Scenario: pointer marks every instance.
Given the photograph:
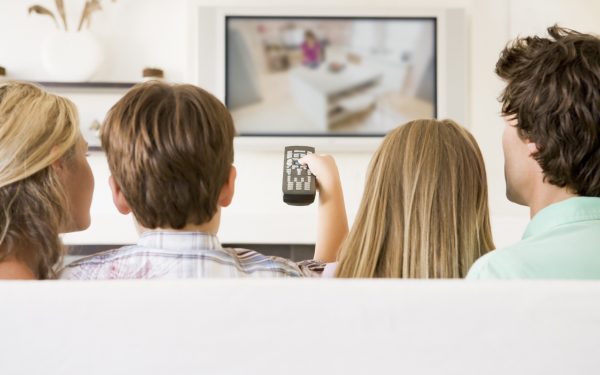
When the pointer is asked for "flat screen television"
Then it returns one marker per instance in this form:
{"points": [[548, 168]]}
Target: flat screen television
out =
{"points": [[329, 76]]}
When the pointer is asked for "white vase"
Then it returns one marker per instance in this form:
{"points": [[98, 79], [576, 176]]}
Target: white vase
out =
{"points": [[72, 56]]}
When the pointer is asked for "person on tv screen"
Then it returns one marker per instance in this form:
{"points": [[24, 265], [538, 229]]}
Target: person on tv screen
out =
{"points": [[311, 50]]}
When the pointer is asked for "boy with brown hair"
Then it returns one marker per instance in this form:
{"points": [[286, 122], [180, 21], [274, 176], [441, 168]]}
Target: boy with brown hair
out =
{"points": [[170, 152]]}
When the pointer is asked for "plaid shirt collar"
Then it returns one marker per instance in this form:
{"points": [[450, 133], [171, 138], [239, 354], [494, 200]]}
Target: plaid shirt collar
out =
{"points": [[179, 241]]}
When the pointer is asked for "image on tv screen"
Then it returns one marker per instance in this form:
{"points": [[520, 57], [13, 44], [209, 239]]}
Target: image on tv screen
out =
{"points": [[328, 75]]}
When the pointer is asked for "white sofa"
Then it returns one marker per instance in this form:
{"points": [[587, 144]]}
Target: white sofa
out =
{"points": [[299, 327]]}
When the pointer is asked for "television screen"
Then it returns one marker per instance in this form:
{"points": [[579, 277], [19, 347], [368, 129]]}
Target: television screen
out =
{"points": [[319, 76]]}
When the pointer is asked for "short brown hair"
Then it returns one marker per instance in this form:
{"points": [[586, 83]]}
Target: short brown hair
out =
{"points": [[553, 91], [170, 149]]}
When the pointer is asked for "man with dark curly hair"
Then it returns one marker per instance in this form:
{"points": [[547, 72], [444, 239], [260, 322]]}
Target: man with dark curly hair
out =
{"points": [[551, 106]]}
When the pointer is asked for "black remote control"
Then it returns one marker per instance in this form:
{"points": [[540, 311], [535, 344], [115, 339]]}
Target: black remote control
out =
{"points": [[298, 184]]}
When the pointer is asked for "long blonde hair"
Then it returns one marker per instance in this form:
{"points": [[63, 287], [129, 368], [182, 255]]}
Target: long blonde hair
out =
{"points": [[424, 212], [36, 129]]}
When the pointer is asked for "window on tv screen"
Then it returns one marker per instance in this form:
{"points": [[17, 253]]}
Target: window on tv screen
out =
{"points": [[329, 76]]}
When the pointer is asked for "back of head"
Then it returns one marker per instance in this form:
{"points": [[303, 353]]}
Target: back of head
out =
{"points": [[170, 150], [36, 129], [553, 91], [424, 212]]}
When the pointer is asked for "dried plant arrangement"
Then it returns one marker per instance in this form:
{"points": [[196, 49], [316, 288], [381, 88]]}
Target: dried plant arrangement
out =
{"points": [[85, 20], [60, 6], [38, 9]]}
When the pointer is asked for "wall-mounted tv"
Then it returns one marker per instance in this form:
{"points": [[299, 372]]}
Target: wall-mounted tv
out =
{"points": [[329, 76]]}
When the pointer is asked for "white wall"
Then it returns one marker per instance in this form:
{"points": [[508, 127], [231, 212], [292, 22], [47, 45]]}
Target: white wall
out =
{"points": [[139, 33]]}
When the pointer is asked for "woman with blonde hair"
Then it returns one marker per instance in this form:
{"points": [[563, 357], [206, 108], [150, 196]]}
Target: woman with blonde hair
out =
{"points": [[46, 183], [424, 211]]}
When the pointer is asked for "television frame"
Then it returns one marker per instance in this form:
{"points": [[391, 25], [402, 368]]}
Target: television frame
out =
{"points": [[207, 62]]}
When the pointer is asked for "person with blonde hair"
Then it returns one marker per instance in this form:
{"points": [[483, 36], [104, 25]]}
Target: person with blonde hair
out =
{"points": [[424, 211], [46, 183]]}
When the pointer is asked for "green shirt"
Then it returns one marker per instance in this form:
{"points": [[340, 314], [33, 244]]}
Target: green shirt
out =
{"points": [[561, 242]]}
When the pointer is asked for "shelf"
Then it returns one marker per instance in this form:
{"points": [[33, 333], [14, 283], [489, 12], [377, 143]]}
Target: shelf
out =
{"points": [[87, 85]]}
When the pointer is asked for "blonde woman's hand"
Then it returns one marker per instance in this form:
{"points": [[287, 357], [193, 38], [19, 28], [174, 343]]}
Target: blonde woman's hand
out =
{"points": [[332, 223], [324, 168]]}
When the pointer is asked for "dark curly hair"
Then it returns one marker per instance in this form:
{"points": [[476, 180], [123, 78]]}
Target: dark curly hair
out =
{"points": [[553, 91]]}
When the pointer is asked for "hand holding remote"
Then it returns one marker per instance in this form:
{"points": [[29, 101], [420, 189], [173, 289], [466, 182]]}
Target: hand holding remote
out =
{"points": [[323, 167], [298, 185], [332, 223]]}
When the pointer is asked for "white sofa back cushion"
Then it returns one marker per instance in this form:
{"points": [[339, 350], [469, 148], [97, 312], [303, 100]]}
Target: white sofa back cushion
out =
{"points": [[299, 327]]}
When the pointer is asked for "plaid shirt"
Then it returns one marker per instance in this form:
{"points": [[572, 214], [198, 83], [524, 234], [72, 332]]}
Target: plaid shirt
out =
{"points": [[178, 255]]}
